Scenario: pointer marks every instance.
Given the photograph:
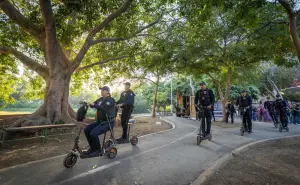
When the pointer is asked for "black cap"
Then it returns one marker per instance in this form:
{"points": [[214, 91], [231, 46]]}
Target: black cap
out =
{"points": [[243, 91], [277, 96], [127, 83], [105, 88], [202, 83]]}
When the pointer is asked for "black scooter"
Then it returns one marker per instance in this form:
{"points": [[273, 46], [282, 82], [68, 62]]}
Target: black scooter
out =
{"points": [[107, 149], [202, 136], [243, 128]]}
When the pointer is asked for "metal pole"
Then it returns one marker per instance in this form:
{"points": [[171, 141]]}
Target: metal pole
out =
{"points": [[171, 95]]}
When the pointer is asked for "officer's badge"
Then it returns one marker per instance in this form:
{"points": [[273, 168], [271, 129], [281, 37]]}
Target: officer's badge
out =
{"points": [[107, 103], [204, 92], [131, 94], [124, 94]]}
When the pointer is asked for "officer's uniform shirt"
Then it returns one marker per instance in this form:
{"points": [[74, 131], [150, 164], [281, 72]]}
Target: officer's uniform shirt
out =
{"points": [[244, 101], [105, 106], [205, 97], [127, 98], [280, 104], [269, 105]]}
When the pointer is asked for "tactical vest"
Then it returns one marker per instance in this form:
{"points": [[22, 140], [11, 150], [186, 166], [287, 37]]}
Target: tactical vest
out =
{"points": [[244, 101], [204, 98]]}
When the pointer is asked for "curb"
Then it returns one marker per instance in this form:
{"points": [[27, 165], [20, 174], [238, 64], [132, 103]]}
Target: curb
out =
{"points": [[216, 165], [58, 156]]}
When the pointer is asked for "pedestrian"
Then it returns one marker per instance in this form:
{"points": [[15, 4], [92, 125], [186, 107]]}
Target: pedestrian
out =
{"points": [[230, 110], [126, 102], [254, 113]]}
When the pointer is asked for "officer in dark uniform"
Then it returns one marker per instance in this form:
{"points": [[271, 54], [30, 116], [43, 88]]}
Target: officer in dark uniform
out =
{"points": [[230, 110], [126, 102], [105, 110], [245, 101], [270, 106], [206, 99], [281, 106]]}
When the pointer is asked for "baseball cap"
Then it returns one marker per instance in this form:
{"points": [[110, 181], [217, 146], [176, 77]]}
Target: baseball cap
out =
{"points": [[243, 91], [202, 83], [127, 83], [105, 88]]}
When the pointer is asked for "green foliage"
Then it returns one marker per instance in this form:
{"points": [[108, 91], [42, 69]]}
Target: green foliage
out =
{"points": [[235, 92], [294, 97]]}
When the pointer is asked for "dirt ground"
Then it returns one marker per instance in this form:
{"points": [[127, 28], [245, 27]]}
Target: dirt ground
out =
{"points": [[270, 163], [14, 153]]}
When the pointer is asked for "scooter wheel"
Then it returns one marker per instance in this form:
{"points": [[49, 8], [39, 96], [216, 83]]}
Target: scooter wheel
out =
{"points": [[107, 144], [134, 140], [287, 129], [112, 153], [199, 139], [210, 137], [276, 125], [242, 131], [70, 160], [280, 128]]}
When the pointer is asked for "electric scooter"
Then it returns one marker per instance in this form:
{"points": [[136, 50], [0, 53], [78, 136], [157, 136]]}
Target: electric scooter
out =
{"points": [[202, 136], [134, 139], [243, 125], [107, 149]]}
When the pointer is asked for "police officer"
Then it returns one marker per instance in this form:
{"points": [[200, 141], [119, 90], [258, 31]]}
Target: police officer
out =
{"points": [[270, 106], [230, 110], [105, 110], [281, 106], [126, 102], [206, 99], [245, 101]]}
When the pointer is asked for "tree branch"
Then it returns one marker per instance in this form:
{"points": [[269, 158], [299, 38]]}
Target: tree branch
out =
{"points": [[53, 46], [125, 38], [144, 78], [99, 63], [286, 5], [87, 44], [18, 18], [29, 62]]}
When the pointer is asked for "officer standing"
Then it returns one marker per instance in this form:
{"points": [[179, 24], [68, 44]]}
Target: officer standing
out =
{"points": [[126, 102], [270, 106], [245, 101], [230, 110], [105, 110], [206, 99]]}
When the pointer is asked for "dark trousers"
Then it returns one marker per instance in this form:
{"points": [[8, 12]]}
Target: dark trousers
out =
{"points": [[93, 130], [283, 118], [227, 116], [247, 120], [207, 118], [126, 113], [274, 117]]}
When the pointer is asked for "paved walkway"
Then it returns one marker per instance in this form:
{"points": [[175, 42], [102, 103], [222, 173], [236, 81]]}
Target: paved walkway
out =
{"points": [[170, 157]]}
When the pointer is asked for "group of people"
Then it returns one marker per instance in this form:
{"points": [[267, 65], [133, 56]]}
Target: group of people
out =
{"points": [[272, 109], [106, 113]]}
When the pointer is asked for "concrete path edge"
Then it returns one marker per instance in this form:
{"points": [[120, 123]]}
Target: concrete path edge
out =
{"points": [[54, 157], [216, 165]]}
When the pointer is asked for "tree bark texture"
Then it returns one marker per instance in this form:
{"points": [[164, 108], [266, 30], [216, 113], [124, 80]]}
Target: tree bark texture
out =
{"points": [[155, 98]]}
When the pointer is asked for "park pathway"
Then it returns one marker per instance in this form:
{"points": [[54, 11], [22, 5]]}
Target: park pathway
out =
{"points": [[170, 157]]}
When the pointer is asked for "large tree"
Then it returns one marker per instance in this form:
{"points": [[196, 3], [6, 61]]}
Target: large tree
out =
{"points": [[57, 39]]}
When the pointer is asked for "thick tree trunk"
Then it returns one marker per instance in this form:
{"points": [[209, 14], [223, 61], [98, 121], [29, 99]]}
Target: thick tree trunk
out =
{"points": [[227, 92], [155, 98]]}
